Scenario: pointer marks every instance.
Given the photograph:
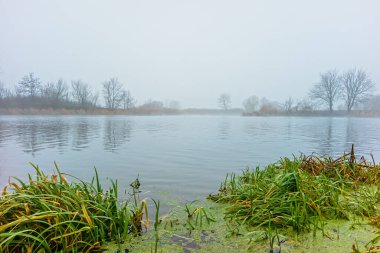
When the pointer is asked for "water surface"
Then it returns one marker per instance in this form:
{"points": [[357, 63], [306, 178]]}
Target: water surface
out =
{"points": [[181, 157]]}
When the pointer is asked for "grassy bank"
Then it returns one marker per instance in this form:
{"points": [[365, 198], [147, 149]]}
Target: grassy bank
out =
{"points": [[303, 204], [49, 214], [304, 194], [301, 192]]}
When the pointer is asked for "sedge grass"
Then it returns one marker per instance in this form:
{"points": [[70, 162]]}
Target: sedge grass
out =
{"points": [[302, 192], [49, 214]]}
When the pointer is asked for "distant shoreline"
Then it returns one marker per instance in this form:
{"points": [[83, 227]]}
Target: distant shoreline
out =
{"points": [[190, 111], [359, 113], [130, 112]]}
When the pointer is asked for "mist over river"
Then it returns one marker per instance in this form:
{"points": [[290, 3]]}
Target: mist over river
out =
{"points": [[175, 157]]}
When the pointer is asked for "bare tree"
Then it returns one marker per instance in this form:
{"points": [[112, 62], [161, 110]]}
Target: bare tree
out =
{"points": [[54, 93], [288, 105], [94, 100], [127, 100], [304, 105], [58, 90], [357, 86], [112, 92], [2, 90], [61, 90], [5, 92], [328, 89], [48, 90], [81, 93], [268, 107], [29, 85], [224, 101], [250, 104]]}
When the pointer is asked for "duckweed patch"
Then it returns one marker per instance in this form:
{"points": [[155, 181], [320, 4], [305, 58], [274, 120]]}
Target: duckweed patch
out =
{"points": [[226, 236]]}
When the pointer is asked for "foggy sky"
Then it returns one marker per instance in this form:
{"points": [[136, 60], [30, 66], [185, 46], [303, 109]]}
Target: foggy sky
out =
{"points": [[192, 50]]}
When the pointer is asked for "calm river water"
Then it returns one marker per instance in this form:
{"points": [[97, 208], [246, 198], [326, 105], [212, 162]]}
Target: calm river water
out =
{"points": [[175, 157]]}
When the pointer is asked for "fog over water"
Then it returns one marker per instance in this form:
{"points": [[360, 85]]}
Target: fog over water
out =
{"points": [[190, 51], [185, 157]]}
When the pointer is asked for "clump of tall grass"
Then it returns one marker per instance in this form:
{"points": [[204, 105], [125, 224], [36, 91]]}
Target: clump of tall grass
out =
{"points": [[302, 192], [50, 214], [346, 168]]}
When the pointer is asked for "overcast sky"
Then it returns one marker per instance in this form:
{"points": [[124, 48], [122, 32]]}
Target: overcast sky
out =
{"points": [[192, 50]]}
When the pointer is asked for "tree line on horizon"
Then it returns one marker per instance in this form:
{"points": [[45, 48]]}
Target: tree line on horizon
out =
{"points": [[353, 87], [30, 92]]}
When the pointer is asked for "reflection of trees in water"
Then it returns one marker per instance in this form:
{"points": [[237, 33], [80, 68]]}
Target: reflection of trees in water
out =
{"points": [[81, 134], [224, 128], [322, 135], [336, 136], [60, 135], [4, 132], [35, 136], [29, 137], [352, 136], [116, 133], [346, 133], [327, 144]]}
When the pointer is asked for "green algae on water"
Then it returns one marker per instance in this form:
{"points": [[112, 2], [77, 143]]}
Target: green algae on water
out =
{"points": [[223, 236]]}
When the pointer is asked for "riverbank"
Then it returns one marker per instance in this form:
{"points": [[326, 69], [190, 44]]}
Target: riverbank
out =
{"points": [[189, 111], [62, 213], [355, 113], [305, 204]]}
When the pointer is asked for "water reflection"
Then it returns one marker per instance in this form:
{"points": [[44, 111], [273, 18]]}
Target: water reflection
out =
{"points": [[351, 135], [116, 133], [35, 136], [332, 136], [326, 145], [59, 136], [84, 131], [4, 132], [224, 129], [27, 136], [177, 148]]}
